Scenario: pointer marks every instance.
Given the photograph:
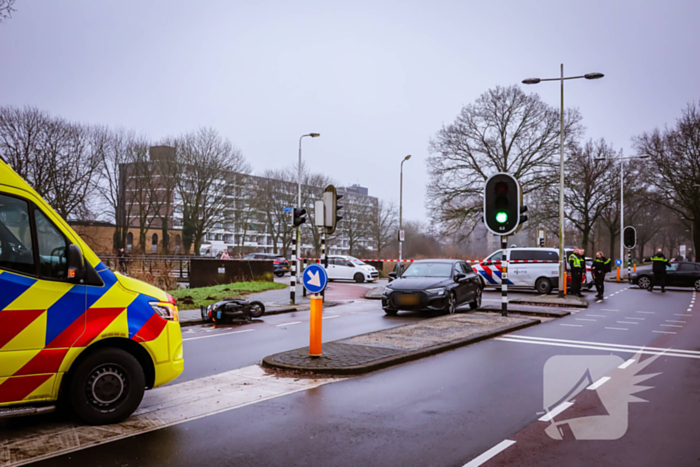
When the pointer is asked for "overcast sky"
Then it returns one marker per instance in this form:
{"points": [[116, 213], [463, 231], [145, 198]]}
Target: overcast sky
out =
{"points": [[377, 79]]}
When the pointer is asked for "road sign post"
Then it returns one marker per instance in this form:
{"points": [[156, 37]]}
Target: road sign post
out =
{"points": [[504, 276], [315, 280]]}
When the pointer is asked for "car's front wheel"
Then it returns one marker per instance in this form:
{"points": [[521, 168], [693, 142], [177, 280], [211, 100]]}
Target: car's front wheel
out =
{"points": [[390, 312], [644, 282], [477, 300], [359, 277], [697, 285], [107, 387]]}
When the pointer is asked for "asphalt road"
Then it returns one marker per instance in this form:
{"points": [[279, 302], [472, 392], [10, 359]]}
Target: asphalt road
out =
{"points": [[448, 409]]}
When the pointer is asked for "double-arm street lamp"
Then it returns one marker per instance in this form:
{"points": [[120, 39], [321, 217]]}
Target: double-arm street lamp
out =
{"points": [[622, 197], [561, 163], [401, 207]]}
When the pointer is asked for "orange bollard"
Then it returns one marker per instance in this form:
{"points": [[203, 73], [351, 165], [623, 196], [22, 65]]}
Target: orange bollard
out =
{"points": [[316, 325], [635, 267], [618, 274], [564, 282]]}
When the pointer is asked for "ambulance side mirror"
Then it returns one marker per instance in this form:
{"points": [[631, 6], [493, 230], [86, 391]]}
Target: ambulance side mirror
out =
{"points": [[76, 263]]}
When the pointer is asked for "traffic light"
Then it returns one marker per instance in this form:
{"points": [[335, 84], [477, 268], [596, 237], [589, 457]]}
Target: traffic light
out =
{"points": [[299, 216], [502, 210], [330, 202], [629, 237]]}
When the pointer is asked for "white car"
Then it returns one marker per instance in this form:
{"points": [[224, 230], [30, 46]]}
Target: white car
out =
{"points": [[343, 267]]}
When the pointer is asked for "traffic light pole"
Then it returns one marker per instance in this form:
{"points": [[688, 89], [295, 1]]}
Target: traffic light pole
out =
{"points": [[629, 263], [504, 277]]}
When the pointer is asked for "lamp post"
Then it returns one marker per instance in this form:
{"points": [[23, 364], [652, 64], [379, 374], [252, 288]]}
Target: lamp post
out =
{"points": [[401, 208], [297, 253], [561, 163], [622, 197]]}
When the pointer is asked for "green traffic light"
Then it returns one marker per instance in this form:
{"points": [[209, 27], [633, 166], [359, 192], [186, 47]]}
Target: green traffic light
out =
{"points": [[501, 217]]}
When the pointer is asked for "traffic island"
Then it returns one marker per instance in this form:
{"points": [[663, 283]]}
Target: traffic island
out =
{"points": [[532, 310], [552, 300], [381, 349]]}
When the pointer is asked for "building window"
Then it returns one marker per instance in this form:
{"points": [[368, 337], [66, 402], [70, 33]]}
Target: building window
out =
{"points": [[154, 243], [178, 241], [129, 241]]}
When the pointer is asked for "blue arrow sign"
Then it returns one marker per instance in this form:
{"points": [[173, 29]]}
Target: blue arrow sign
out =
{"points": [[618, 262], [315, 278], [288, 209]]}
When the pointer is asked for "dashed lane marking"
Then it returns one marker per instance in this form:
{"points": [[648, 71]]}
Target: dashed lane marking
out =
{"points": [[627, 363], [218, 335], [630, 317], [584, 319], [572, 325], [681, 314], [555, 411], [597, 316], [599, 383], [476, 462], [664, 332], [626, 322], [618, 329], [289, 324], [670, 325], [675, 321], [647, 312], [608, 309], [331, 317]]}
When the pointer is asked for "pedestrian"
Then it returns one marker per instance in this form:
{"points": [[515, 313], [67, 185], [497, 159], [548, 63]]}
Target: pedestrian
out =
{"points": [[578, 266], [659, 265], [121, 257], [601, 266]]}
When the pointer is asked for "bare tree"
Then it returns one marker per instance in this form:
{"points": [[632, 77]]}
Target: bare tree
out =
{"points": [[6, 9], [505, 130], [675, 173], [276, 191], [383, 226], [210, 166], [355, 226]]}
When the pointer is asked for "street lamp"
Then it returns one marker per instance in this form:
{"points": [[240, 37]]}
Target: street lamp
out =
{"points": [[622, 197], [297, 263], [401, 207], [561, 163]]}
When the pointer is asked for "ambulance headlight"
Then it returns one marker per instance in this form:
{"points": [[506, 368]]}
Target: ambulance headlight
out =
{"points": [[165, 310]]}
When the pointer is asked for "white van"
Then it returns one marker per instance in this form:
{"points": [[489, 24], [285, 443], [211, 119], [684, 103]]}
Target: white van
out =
{"points": [[543, 277], [342, 267]]}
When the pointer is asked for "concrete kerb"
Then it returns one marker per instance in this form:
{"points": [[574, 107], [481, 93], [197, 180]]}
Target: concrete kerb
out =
{"points": [[553, 301], [269, 361], [275, 311], [549, 312]]}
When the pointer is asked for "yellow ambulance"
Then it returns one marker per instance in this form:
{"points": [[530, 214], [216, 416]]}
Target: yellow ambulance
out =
{"points": [[74, 333]]}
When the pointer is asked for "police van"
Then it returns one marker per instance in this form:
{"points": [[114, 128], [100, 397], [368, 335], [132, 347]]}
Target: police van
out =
{"points": [[71, 330], [539, 269]]}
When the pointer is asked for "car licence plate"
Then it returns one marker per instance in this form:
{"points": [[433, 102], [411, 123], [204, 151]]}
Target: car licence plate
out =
{"points": [[408, 299]]}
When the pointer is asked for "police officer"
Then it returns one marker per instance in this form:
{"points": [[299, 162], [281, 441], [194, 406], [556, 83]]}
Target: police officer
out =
{"points": [[601, 266], [578, 265], [659, 265]]}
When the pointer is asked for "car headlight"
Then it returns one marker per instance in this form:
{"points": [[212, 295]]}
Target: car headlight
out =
{"points": [[165, 310], [438, 291], [387, 290]]}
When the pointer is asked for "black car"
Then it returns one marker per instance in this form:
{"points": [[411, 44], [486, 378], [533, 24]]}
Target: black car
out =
{"points": [[680, 274], [433, 284], [280, 264]]}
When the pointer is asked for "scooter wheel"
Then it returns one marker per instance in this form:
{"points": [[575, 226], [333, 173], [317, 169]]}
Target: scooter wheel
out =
{"points": [[257, 309]]}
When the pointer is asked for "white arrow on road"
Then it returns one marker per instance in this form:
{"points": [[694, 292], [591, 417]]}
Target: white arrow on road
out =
{"points": [[314, 279]]}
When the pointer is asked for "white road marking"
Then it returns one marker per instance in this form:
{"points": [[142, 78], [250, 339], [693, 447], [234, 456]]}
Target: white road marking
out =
{"points": [[597, 316], [218, 335], [584, 319], [555, 411], [609, 309], [624, 346], [629, 317], [572, 325], [680, 314], [599, 383], [289, 324], [626, 322], [477, 461], [618, 329], [627, 363], [606, 349], [161, 407], [670, 325], [664, 332], [674, 321], [331, 317], [647, 312]]}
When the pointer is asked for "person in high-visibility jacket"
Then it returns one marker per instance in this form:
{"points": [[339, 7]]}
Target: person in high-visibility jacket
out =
{"points": [[577, 263], [601, 266], [659, 265]]}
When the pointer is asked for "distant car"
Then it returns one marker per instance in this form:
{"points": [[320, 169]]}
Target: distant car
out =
{"points": [[343, 267], [680, 274], [280, 264], [435, 285]]}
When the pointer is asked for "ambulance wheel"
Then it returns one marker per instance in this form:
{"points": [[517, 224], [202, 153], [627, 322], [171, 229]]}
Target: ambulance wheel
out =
{"points": [[106, 387], [543, 286]]}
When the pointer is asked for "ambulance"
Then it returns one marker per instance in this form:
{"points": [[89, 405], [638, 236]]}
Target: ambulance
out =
{"points": [[73, 333]]}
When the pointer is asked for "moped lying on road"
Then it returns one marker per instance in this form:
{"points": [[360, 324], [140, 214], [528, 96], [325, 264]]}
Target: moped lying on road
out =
{"points": [[227, 311]]}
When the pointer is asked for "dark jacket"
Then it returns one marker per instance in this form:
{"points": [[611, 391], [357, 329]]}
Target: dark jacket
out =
{"points": [[601, 266], [659, 263]]}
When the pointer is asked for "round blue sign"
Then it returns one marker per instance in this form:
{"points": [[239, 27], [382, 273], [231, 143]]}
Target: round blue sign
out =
{"points": [[315, 278], [618, 262]]}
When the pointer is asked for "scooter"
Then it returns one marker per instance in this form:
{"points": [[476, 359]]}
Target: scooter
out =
{"points": [[228, 311]]}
